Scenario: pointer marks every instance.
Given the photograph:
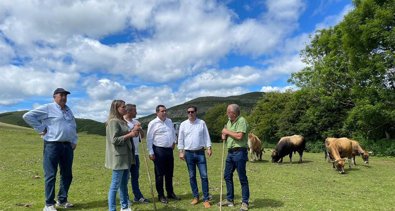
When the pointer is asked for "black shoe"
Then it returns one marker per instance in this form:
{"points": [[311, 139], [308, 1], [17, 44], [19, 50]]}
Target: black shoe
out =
{"points": [[173, 196], [163, 199]]}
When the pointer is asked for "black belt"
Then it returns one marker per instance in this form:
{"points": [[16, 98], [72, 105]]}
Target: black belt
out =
{"points": [[163, 147], [235, 149], [198, 150], [57, 142]]}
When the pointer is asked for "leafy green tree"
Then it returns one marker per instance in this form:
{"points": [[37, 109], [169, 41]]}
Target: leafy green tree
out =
{"points": [[263, 119], [215, 119], [349, 76]]}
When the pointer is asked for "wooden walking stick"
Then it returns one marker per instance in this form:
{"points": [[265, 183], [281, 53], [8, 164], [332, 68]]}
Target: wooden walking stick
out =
{"points": [[149, 176], [222, 169]]}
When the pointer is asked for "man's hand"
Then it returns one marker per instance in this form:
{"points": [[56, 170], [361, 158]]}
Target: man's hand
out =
{"points": [[73, 146], [42, 134], [152, 157], [223, 136], [209, 152], [181, 155]]}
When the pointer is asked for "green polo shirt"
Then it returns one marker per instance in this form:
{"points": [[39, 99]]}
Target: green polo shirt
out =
{"points": [[240, 125]]}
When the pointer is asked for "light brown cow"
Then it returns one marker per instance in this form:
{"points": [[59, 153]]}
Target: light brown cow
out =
{"points": [[338, 149], [327, 142], [357, 150], [255, 147]]}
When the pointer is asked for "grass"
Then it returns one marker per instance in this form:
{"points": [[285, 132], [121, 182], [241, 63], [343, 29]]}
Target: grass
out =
{"points": [[312, 185]]}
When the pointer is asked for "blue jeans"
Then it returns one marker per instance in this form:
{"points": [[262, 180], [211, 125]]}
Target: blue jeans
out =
{"points": [[62, 154], [237, 161], [119, 182], [198, 159], [134, 173]]}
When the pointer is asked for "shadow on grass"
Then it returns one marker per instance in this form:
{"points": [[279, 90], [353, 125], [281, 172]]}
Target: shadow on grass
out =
{"points": [[294, 162], [258, 161], [265, 203], [99, 205]]}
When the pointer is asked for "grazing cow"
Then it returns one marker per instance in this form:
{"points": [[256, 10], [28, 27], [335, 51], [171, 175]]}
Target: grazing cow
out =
{"points": [[338, 149], [357, 150], [288, 145], [255, 147], [328, 140]]}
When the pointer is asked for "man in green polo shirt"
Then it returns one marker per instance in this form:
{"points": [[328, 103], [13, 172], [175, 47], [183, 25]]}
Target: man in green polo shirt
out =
{"points": [[235, 134]]}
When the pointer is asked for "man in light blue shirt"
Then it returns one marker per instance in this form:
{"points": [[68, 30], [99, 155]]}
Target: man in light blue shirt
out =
{"points": [[56, 124]]}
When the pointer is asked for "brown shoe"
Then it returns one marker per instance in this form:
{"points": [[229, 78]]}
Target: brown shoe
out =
{"points": [[194, 201], [206, 204]]}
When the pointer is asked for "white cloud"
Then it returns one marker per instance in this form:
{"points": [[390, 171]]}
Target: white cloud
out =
{"points": [[277, 89], [6, 52], [17, 83], [222, 79]]}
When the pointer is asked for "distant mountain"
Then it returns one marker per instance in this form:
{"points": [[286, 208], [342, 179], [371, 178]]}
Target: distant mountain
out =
{"points": [[83, 125], [176, 113]]}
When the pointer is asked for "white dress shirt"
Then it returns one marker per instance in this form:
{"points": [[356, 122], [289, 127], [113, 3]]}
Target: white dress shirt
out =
{"points": [[160, 133], [193, 135], [136, 140]]}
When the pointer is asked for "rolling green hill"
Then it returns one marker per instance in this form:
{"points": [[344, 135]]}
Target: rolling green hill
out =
{"points": [[176, 113], [83, 125]]}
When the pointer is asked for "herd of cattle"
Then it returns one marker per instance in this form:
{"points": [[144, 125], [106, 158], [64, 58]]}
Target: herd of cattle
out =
{"points": [[336, 150]]}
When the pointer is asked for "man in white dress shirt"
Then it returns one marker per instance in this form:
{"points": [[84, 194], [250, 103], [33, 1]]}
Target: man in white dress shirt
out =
{"points": [[193, 139], [161, 139]]}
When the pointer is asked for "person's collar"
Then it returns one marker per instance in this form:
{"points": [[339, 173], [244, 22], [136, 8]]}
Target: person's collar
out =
{"points": [[235, 119], [160, 119], [192, 121], [60, 107]]}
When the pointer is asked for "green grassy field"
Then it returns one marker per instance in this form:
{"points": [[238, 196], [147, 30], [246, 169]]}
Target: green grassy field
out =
{"points": [[312, 185]]}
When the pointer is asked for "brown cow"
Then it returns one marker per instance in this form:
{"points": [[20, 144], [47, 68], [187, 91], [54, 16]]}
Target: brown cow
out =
{"points": [[288, 145], [338, 149], [357, 150], [327, 142], [255, 147]]}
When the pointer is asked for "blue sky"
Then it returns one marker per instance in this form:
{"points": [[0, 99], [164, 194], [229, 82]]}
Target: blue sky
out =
{"points": [[152, 52]]}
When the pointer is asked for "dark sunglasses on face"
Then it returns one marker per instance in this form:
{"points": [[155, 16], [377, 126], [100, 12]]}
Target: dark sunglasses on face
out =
{"points": [[191, 112]]}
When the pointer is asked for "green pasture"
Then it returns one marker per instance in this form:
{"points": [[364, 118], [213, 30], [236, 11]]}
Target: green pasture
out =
{"points": [[312, 185]]}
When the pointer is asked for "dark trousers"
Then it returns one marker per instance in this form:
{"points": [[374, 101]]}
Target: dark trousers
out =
{"points": [[164, 167], [57, 153], [134, 177], [237, 161]]}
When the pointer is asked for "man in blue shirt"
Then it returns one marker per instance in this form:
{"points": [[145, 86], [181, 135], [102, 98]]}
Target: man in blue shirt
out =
{"points": [[56, 124]]}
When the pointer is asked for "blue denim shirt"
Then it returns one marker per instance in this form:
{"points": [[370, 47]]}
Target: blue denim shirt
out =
{"points": [[60, 124]]}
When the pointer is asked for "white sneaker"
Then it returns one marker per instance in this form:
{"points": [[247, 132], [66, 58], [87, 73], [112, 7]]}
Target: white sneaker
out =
{"points": [[64, 204], [49, 208], [126, 209]]}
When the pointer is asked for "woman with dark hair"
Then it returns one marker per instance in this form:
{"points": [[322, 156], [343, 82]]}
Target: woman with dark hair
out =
{"points": [[119, 154]]}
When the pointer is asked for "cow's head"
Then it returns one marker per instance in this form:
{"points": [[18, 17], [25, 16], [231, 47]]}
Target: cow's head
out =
{"points": [[339, 164], [275, 156], [365, 157]]}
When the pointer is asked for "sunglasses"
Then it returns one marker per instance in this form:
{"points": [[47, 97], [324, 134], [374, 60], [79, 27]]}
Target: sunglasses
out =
{"points": [[191, 112]]}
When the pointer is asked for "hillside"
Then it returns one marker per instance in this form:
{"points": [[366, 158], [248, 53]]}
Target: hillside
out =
{"points": [[83, 125], [176, 113]]}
